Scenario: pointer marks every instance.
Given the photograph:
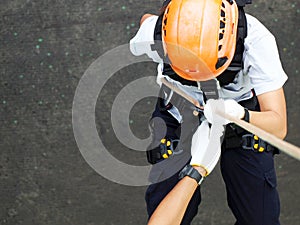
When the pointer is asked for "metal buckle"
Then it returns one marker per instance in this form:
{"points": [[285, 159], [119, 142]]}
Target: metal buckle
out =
{"points": [[179, 151], [254, 143], [167, 148]]}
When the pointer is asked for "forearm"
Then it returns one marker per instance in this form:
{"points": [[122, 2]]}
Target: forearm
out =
{"points": [[269, 121], [172, 208], [272, 117]]}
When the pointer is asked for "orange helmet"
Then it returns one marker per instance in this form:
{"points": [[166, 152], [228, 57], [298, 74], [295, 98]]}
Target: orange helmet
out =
{"points": [[199, 37]]}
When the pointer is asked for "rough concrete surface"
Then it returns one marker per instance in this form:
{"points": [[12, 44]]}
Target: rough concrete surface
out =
{"points": [[45, 48]]}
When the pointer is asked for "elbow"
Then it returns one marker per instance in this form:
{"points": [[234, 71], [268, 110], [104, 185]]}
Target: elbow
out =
{"points": [[281, 127], [144, 17], [282, 132], [284, 129]]}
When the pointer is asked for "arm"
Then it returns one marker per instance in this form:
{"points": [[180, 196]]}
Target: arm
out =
{"points": [[272, 117], [172, 208], [144, 17]]}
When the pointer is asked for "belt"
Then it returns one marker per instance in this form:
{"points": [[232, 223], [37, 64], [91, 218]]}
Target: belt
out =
{"points": [[248, 141]]}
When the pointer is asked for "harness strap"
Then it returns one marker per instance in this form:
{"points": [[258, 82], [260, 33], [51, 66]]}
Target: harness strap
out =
{"points": [[249, 142], [236, 64], [209, 89], [243, 2], [157, 46], [168, 98]]}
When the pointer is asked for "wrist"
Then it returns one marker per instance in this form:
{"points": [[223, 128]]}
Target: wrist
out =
{"points": [[201, 170], [246, 116], [191, 172]]}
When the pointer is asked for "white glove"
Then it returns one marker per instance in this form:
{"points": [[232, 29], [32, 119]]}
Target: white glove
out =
{"points": [[205, 151], [229, 107]]}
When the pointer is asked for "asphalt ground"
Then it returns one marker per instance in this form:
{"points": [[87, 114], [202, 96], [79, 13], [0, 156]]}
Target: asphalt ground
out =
{"points": [[45, 48]]}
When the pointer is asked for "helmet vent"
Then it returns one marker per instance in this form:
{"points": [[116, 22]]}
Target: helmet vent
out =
{"points": [[222, 26], [221, 36], [165, 22], [221, 62], [222, 13]]}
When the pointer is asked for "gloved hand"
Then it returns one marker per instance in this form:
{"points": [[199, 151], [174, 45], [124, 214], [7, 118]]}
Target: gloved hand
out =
{"points": [[229, 107], [205, 151]]}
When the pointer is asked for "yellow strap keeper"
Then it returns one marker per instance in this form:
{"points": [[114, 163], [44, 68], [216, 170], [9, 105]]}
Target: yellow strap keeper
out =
{"points": [[163, 141]]}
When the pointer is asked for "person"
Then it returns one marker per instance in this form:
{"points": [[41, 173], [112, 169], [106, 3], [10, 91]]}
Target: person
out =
{"points": [[227, 60]]}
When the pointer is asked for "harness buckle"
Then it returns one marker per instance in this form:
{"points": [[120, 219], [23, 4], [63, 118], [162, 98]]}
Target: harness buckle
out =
{"points": [[167, 148], [254, 143]]}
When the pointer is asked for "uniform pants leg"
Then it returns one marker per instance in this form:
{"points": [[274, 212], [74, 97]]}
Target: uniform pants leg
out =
{"points": [[250, 181], [158, 190]]}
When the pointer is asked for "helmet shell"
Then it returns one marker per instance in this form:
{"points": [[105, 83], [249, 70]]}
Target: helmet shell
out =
{"points": [[199, 37]]}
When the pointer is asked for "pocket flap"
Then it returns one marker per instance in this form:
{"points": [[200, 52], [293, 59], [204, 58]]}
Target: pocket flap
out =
{"points": [[271, 178]]}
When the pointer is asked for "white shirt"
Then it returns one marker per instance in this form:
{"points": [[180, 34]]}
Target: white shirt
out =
{"points": [[141, 43], [262, 71], [261, 58]]}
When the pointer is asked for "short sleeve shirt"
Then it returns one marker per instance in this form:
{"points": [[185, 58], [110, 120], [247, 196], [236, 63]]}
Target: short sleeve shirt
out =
{"points": [[261, 58]]}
